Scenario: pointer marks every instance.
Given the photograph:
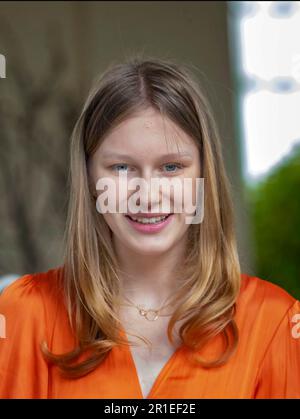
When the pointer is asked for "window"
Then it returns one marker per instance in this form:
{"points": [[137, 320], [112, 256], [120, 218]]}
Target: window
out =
{"points": [[267, 37]]}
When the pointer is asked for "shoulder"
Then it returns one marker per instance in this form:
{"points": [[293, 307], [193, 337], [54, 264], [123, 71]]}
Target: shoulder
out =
{"points": [[269, 324], [28, 312], [31, 298], [269, 296], [262, 307], [33, 286]]}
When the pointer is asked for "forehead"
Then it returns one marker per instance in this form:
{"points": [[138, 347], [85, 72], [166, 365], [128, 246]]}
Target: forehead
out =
{"points": [[147, 133]]}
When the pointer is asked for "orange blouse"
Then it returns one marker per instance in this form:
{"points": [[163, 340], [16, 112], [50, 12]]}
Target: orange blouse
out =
{"points": [[265, 365]]}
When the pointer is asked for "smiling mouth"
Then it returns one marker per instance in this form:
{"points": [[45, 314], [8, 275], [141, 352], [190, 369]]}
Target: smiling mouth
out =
{"points": [[148, 220]]}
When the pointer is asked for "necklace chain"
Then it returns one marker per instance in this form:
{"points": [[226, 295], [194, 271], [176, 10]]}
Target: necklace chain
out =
{"points": [[149, 314]]}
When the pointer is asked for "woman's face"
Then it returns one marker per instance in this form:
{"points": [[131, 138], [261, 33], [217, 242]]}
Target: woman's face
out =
{"points": [[146, 146]]}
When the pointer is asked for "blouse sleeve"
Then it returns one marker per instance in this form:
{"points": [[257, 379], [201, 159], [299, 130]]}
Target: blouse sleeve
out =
{"points": [[23, 370], [279, 374]]}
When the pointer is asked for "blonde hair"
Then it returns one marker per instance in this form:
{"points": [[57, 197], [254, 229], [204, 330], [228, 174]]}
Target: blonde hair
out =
{"points": [[211, 269]]}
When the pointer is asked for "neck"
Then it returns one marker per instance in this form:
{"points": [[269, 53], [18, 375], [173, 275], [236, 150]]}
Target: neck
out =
{"points": [[149, 279]]}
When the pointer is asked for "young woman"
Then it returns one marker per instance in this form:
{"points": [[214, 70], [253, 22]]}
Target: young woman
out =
{"points": [[145, 306]]}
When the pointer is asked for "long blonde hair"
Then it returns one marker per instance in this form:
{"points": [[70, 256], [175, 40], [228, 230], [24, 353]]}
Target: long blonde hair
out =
{"points": [[90, 271]]}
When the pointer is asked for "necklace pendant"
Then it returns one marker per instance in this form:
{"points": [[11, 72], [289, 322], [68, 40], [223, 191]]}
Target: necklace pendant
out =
{"points": [[151, 315], [142, 312]]}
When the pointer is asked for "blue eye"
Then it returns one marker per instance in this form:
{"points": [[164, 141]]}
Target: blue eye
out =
{"points": [[118, 165], [124, 167], [177, 165]]}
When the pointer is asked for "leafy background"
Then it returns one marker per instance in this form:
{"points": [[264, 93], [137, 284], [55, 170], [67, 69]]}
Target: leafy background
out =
{"points": [[274, 204]]}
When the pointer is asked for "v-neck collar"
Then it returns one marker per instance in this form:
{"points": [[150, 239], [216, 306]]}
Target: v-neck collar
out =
{"points": [[159, 378]]}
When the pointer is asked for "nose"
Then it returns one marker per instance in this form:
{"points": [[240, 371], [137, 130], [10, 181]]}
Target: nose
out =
{"points": [[148, 196]]}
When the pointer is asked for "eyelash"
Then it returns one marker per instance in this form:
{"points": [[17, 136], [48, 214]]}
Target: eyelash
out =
{"points": [[179, 166]]}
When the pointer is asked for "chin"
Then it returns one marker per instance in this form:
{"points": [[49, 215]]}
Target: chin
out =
{"points": [[149, 249]]}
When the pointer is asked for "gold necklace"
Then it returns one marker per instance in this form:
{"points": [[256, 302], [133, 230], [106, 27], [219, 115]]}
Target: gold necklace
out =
{"points": [[149, 314]]}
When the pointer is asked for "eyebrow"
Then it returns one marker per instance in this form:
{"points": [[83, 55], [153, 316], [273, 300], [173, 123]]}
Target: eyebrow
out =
{"points": [[129, 157]]}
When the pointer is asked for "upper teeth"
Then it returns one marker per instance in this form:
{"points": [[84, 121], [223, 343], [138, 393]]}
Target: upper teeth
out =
{"points": [[149, 220]]}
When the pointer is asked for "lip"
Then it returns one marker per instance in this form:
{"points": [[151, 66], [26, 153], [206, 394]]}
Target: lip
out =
{"points": [[148, 214], [150, 228]]}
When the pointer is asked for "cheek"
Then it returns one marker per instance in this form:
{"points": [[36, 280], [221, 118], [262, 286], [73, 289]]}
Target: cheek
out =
{"points": [[195, 185], [186, 195], [96, 171], [112, 222]]}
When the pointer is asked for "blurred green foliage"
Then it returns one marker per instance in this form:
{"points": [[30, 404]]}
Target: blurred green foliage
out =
{"points": [[274, 203]]}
